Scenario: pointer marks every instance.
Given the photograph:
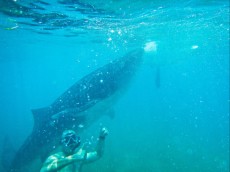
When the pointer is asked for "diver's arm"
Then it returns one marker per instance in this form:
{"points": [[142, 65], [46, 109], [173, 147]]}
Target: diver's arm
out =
{"points": [[55, 163], [92, 156]]}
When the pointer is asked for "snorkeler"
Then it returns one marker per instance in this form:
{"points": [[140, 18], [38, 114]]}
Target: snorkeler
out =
{"points": [[71, 158]]}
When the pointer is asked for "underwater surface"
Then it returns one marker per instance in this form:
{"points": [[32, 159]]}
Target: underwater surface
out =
{"points": [[173, 116]]}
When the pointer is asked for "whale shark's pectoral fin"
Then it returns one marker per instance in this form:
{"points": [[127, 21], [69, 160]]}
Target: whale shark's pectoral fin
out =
{"points": [[60, 114], [56, 117], [72, 112]]}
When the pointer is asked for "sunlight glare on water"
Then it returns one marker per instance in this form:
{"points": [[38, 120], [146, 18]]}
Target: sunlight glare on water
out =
{"points": [[150, 46]]}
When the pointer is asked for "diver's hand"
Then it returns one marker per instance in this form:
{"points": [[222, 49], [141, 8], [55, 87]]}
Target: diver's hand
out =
{"points": [[103, 133]]}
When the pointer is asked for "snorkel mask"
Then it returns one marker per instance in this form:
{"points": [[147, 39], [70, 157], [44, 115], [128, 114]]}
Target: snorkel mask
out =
{"points": [[70, 141]]}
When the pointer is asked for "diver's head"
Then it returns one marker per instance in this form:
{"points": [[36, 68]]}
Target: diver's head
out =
{"points": [[70, 141]]}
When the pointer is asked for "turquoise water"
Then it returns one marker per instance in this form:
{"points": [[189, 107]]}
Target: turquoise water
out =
{"points": [[174, 117]]}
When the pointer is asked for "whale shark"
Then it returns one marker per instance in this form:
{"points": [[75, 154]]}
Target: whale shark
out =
{"points": [[78, 107]]}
